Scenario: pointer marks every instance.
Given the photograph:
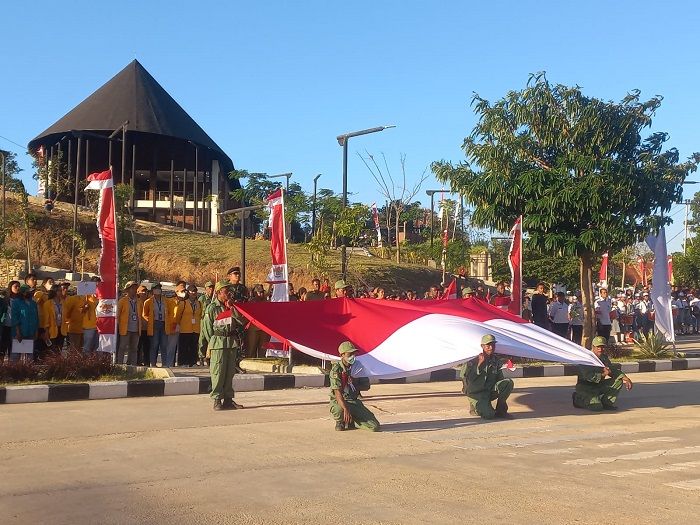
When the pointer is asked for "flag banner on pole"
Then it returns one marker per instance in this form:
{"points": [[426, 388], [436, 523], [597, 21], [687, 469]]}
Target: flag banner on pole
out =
{"points": [[660, 288], [670, 270], [515, 261], [375, 218], [278, 276], [451, 291], [404, 338], [106, 312], [642, 269], [603, 275]]}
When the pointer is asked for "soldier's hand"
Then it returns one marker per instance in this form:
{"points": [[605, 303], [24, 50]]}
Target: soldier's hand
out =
{"points": [[481, 359], [606, 372], [347, 418], [628, 384]]}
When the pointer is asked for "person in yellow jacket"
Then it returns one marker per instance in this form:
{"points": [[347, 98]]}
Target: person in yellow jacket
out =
{"points": [[56, 326], [90, 337], [129, 317], [157, 313], [45, 307], [74, 309], [189, 316]]}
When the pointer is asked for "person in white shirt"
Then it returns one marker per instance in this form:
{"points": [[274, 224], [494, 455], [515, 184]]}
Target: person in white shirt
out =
{"points": [[644, 316], [559, 315], [603, 306], [694, 304]]}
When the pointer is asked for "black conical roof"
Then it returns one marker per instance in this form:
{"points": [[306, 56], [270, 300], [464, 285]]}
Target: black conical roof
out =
{"points": [[133, 95]]}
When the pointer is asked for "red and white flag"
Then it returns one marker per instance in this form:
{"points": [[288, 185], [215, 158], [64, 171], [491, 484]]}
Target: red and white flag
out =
{"points": [[404, 338], [603, 274], [670, 269], [107, 267], [642, 269], [515, 261], [451, 291], [278, 275]]}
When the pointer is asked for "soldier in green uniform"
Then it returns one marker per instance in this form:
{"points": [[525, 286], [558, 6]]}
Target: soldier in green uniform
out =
{"points": [[484, 382], [223, 342], [347, 410], [597, 388], [238, 289]]}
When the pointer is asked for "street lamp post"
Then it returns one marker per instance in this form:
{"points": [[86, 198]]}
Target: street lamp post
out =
{"points": [[243, 213], [432, 193], [313, 208], [288, 175], [4, 168], [343, 141]]}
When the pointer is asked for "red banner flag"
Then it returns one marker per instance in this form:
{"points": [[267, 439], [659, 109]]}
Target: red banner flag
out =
{"points": [[642, 270], [515, 261], [375, 218], [670, 269], [603, 275], [278, 247], [107, 264]]}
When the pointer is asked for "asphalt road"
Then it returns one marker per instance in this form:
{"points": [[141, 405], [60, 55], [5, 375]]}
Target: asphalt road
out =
{"points": [[173, 460]]}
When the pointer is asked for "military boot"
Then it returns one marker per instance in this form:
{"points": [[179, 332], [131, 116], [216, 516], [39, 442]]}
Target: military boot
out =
{"points": [[218, 405], [502, 410], [339, 425]]}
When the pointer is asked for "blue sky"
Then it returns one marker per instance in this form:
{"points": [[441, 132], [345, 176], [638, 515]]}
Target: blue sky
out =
{"points": [[273, 83]]}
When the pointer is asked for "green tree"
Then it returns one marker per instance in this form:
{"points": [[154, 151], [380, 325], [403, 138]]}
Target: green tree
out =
{"points": [[575, 167]]}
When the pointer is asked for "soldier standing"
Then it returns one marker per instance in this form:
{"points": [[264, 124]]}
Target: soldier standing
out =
{"points": [[347, 410], [223, 340], [484, 382], [597, 388]]}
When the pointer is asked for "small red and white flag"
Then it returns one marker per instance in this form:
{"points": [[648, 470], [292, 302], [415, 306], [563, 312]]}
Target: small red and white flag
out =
{"points": [[603, 274], [451, 291], [515, 261], [404, 338]]}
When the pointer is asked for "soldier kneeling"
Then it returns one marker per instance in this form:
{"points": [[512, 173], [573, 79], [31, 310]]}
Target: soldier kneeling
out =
{"points": [[347, 410], [597, 388], [484, 382]]}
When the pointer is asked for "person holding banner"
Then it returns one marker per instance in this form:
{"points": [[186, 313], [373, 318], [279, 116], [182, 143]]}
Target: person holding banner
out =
{"points": [[484, 382], [597, 388], [347, 410], [223, 340]]}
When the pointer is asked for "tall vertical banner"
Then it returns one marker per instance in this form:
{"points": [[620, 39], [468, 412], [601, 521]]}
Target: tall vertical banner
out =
{"points": [[375, 218], [670, 270], [660, 288], [642, 269], [603, 275], [278, 248], [515, 261], [107, 264]]}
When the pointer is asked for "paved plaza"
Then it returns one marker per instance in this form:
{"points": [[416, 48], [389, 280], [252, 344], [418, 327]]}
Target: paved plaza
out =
{"points": [[173, 460]]}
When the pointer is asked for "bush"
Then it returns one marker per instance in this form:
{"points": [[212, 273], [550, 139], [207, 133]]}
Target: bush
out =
{"points": [[18, 371], [615, 351], [653, 346], [75, 365]]}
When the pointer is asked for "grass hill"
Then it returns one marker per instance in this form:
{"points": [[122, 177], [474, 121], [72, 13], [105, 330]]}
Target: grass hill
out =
{"points": [[169, 254]]}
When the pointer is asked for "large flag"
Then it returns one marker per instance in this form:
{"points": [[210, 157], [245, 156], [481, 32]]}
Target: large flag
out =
{"points": [[107, 264], [404, 338], [660, 288], [278, 247], [603, 275], [515, 261]]}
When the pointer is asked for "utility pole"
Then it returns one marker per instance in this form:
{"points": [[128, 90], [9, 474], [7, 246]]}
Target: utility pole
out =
{"points": [[687, 214]]}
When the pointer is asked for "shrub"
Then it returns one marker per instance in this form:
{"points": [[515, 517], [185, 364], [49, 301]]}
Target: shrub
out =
{"points": [[76, 365], [18, 371], [615, 351], [653, 346]]}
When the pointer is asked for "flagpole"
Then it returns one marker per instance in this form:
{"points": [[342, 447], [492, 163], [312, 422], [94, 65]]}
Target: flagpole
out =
{"points": [[286, 270]]}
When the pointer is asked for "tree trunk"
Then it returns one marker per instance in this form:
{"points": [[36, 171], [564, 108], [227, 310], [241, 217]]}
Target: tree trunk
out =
{"points": [[398, 250], [586, 267]]}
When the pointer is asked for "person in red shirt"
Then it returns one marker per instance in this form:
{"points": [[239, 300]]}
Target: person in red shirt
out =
{"points": [[500, 299]]}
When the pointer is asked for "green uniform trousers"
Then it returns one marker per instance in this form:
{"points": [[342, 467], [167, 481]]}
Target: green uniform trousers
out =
{"points": [[222, 366], [361, 415], [596, 396], [482, 402]]}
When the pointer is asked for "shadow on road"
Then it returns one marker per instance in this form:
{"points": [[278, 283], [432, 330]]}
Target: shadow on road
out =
{"points": [[428, 426]]}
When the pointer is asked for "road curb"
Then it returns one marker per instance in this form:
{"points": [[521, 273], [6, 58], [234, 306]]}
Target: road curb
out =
{"points": [[177, 386]]}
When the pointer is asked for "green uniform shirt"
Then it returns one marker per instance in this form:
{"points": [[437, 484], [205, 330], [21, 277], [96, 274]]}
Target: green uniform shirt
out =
{"points": [[205, 301], [239, 291], [482, 379], [340, 379], [593, 375], [227, 336]]}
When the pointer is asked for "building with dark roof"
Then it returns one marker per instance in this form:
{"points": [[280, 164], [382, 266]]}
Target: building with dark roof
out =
{"points": [[179, 175]]}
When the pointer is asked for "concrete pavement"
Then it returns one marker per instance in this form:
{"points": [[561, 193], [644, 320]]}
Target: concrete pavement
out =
{"points": [[174, 460]]}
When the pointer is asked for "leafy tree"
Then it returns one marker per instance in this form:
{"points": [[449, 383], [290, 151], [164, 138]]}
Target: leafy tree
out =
{"points": [[575, 167]]}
